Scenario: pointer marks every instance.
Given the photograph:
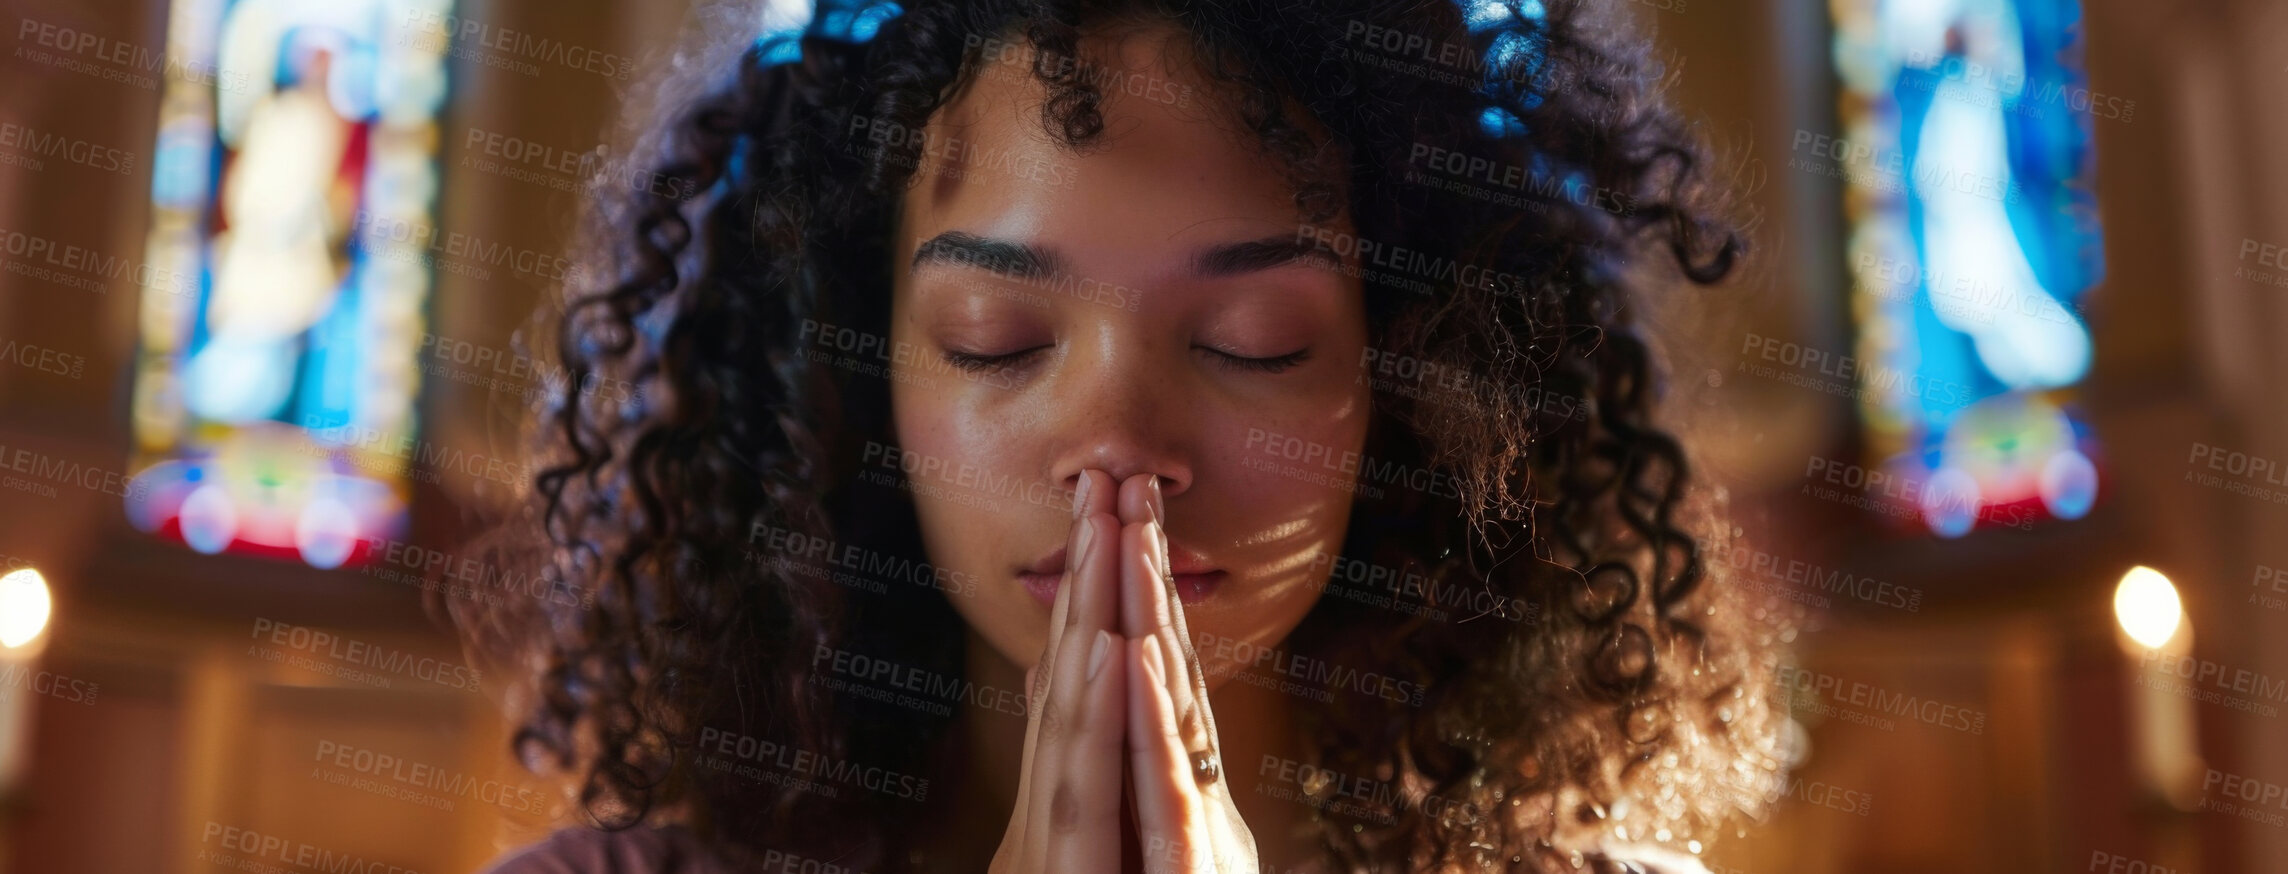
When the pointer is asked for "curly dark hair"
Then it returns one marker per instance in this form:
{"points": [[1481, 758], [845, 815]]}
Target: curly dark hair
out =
{"points": [[1633, 703]]}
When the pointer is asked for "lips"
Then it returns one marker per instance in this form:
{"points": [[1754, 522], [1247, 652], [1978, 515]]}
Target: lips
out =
{"points": [[1197, 579], [1042, 577]]}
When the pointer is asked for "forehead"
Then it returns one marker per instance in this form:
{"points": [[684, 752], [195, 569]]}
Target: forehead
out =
{"points": [[1172, 169]]}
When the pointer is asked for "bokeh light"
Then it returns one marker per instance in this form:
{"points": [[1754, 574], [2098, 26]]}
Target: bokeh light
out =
{"points": [[2146, 605], [24, 607]]}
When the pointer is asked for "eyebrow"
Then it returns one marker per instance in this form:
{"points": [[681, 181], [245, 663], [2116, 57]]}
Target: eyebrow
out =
{"points": [[1028, 261], [1013, 259], [1234, 259]]}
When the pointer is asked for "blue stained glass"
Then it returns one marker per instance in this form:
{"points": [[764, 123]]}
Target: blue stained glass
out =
{"points": [[273, 315], [1974, 240]]}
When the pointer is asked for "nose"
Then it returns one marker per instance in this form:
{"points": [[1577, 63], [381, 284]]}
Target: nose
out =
{"points": [[1120, 418]]}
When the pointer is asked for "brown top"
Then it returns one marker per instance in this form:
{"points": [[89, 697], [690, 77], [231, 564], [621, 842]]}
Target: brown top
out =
{"points": [[673, 850], [647, 850]]}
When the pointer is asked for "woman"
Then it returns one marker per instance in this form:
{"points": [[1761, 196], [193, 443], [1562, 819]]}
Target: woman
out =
{"points": [[1077, 437]]}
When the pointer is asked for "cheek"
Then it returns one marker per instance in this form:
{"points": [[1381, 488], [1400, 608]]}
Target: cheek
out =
{"points": [[1296, 459], [971, 469], [1286, 480], [954, 436], [942, 450]]}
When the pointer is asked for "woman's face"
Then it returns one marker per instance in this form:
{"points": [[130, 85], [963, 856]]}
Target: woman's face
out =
{"points": [[1143, 307]]}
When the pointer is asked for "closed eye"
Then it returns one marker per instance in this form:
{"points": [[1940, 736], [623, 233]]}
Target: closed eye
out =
{"points": [[1273, 364], [972, 362]]}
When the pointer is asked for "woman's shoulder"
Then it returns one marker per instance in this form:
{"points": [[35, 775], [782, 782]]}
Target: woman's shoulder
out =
{"points": [[1645, 859], [639, 850], [675, 850]]}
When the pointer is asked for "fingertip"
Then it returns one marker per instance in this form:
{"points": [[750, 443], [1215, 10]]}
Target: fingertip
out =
{"points": [[1154, 547], [1103, 495], [1099, 648], [1155, 661], [1132, 499], [1080, 494], [1155, 501], [1104, 537], [1108, 690]]}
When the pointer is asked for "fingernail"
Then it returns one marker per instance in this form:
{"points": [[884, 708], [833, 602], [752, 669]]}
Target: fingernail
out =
{"points": [[1080, 493], [1158, 537], [1096, 652], [1080, 546], [1154, 500], [1153, 666]]}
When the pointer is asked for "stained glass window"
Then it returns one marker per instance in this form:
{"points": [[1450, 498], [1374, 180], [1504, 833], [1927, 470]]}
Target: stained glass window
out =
{"points": [[1973, 241], [275, 389]]}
